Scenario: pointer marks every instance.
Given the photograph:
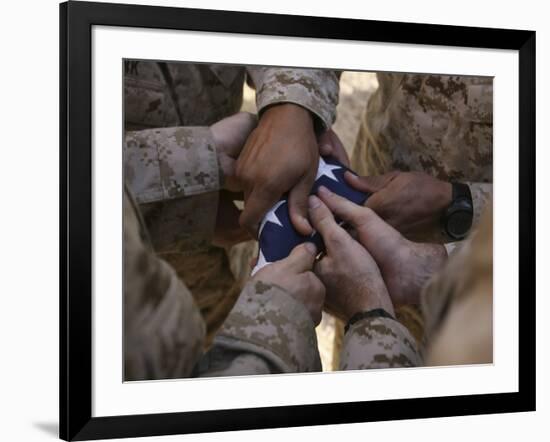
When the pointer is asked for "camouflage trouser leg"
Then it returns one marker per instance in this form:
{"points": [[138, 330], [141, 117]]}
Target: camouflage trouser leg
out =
{"points": [[208, 276]]}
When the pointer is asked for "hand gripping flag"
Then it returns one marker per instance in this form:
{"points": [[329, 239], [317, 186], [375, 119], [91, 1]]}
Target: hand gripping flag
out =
{"points": [[277, 236]]}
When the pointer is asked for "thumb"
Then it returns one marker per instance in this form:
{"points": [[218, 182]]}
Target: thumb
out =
{"points": [[298, 203], [370, 184], [301, 259], [231, 133]]}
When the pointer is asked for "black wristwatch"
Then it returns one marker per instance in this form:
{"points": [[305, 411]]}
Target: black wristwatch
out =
{"points": [[457, 219]]}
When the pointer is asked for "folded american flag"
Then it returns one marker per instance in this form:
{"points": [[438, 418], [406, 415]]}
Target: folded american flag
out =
{"points": [[277, 236]]}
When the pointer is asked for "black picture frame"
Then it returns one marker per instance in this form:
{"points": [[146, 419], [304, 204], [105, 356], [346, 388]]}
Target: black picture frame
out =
{"points": [[76, 21]]}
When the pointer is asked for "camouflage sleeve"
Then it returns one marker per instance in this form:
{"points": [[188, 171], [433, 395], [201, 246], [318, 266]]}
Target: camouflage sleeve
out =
{"points": [[482, 196], [174, 175], [378, 342], [266, 332], [163, 329], [315, 89], [457, 303]]}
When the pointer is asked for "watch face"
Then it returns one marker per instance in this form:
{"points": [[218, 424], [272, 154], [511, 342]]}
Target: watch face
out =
{"points": [[459, 223]]}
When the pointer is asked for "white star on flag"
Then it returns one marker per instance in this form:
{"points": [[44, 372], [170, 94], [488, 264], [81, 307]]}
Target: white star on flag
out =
{"points": [[271, 217], [326, 169], [260, 263]]}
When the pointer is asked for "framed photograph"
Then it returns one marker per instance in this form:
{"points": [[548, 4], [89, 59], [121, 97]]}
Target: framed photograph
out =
{"points": [[274, 220]]}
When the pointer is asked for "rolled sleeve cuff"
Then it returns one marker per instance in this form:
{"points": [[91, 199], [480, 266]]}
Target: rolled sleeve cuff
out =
{"points": [[482, 195], [168, 163], [378, 342], [173, 175], [267, 321], [314, 90]]}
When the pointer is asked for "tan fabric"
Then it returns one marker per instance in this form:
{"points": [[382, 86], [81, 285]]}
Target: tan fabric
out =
{"points": [[378, 343], [266, 332], [163, 329], [173, 174], [162, 101], [275, 333], [438, 124], [458, 303]]}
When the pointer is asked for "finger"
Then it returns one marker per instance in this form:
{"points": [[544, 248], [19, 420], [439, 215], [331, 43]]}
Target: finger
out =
{"points": [[228, 178], [330, 145], [297, 205], [325, 149], [323, 221], [322, 266], [338, 149], [317, 292], [232, 132], [256, 205], [363, 219], [301, 259], [376, 203], [369, 184]]}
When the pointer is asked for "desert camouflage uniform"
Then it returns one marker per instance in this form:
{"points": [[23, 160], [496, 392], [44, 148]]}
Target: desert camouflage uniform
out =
{"points": [[461, 293], [378, 343], [266, 332], [438, 124], [163, 329], [168, 95]]}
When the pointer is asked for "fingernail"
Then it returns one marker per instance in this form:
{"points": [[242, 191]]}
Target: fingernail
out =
{"points": [[310, 247], [314, 202], [323, 189]]}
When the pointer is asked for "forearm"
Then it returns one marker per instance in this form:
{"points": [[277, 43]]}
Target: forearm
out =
{"points": [[266, 332]]}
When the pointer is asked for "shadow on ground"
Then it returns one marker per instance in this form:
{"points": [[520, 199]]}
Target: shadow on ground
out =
{"points": [[50, 428]]}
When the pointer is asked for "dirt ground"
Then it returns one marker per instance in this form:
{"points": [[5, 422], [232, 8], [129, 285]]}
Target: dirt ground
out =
{"points": [[355, 89]]}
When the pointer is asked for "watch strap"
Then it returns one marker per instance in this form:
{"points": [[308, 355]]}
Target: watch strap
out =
{"points": [[461, 191], [374, 313]]}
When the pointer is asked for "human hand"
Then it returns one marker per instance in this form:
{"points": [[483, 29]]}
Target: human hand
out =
{"points": [[294, 275], [281, 155], [412, 202], [352, 279], [330, 145], [405, 265], [230, 135]]}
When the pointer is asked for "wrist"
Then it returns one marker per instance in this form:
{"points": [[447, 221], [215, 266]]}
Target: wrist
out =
{"points": [[366, 314], [291, 111], [373, 298]]}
